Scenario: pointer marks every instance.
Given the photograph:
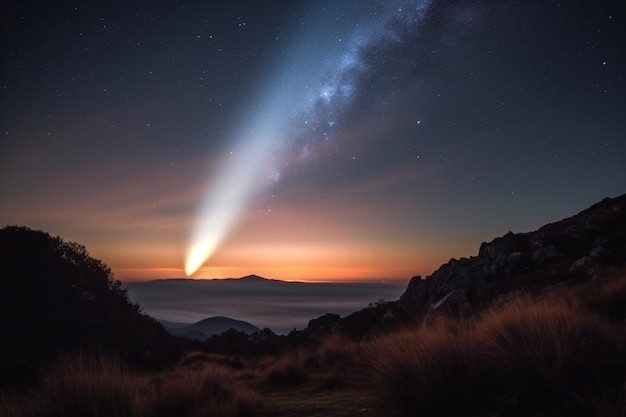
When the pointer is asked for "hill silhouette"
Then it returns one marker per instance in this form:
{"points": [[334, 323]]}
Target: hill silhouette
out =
{"points": [[208, 327], [56, 299]]}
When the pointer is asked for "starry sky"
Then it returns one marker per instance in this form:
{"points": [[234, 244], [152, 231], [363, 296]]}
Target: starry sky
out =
{"points": [[312, 140]]}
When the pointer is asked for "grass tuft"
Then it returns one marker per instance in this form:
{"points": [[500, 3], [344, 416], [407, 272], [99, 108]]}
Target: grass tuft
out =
{"points": [[288, 370], [213, 391], [533, 357], [419, 371], [93, 385]]}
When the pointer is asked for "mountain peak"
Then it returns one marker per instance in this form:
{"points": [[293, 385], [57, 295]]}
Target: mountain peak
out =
{"points": [[253, 278]]}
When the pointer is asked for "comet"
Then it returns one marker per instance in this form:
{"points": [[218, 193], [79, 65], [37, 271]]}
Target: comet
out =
{"points": [[219, 212], [299, 107]]}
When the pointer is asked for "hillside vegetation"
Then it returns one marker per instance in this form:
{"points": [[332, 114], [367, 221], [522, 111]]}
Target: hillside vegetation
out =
{"points": [[55, 299]]}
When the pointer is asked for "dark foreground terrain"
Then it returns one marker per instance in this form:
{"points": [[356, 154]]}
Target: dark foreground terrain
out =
{"points": [[504, 343], [559, 354]]}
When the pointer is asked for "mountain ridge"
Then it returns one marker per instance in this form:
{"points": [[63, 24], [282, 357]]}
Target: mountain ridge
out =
{"points": [[246, 278], [563, 251]]}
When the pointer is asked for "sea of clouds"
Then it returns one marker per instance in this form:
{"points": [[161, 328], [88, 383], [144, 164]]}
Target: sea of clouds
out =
{"points": [[278, 305]]}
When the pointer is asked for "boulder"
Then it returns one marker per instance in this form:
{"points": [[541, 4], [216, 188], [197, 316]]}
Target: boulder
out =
{"points": [[449, 304]]}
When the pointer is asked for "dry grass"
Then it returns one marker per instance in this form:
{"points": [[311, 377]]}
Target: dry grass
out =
{"points": [[325, 381], [196, 360], [213, 391], [330, 365], [12, 406], [94, 385], [419, 371], [605, 296], [546, 353], [336, 352], [97, 386], [288, 370], [534, 357]]}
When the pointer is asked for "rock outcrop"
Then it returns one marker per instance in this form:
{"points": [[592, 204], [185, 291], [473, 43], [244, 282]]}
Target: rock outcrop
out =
{"points": [[565, 251]]}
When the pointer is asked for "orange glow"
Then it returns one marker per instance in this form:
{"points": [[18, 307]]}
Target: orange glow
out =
{"points": [[139, 227]]}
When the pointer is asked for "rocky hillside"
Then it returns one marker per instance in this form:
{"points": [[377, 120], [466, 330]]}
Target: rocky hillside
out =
{"points": [[557, 254]]}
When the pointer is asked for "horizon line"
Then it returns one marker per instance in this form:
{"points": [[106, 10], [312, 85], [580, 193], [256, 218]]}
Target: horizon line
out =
{"points": [[301, 281]]}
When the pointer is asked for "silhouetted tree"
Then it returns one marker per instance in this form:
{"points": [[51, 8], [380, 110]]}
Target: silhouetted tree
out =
{"points": [[233, 342], [55, 299], [229, 342]]}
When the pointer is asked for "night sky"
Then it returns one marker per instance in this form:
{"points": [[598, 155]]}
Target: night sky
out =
{"points": [[306, 140]]}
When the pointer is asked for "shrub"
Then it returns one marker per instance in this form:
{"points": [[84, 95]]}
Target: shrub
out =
{"points": [[61, 300]]}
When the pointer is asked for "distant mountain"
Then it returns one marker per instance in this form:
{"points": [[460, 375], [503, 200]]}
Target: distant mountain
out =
{"points": [[560, 253], [208, 327], [247, 279], [254, 278]]}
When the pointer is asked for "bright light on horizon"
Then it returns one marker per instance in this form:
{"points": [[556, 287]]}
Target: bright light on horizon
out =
{"points": [[237, 182], [199, 254]]}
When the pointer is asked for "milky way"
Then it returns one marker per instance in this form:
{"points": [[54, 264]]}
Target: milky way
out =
{"points": [[301, 110]]}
